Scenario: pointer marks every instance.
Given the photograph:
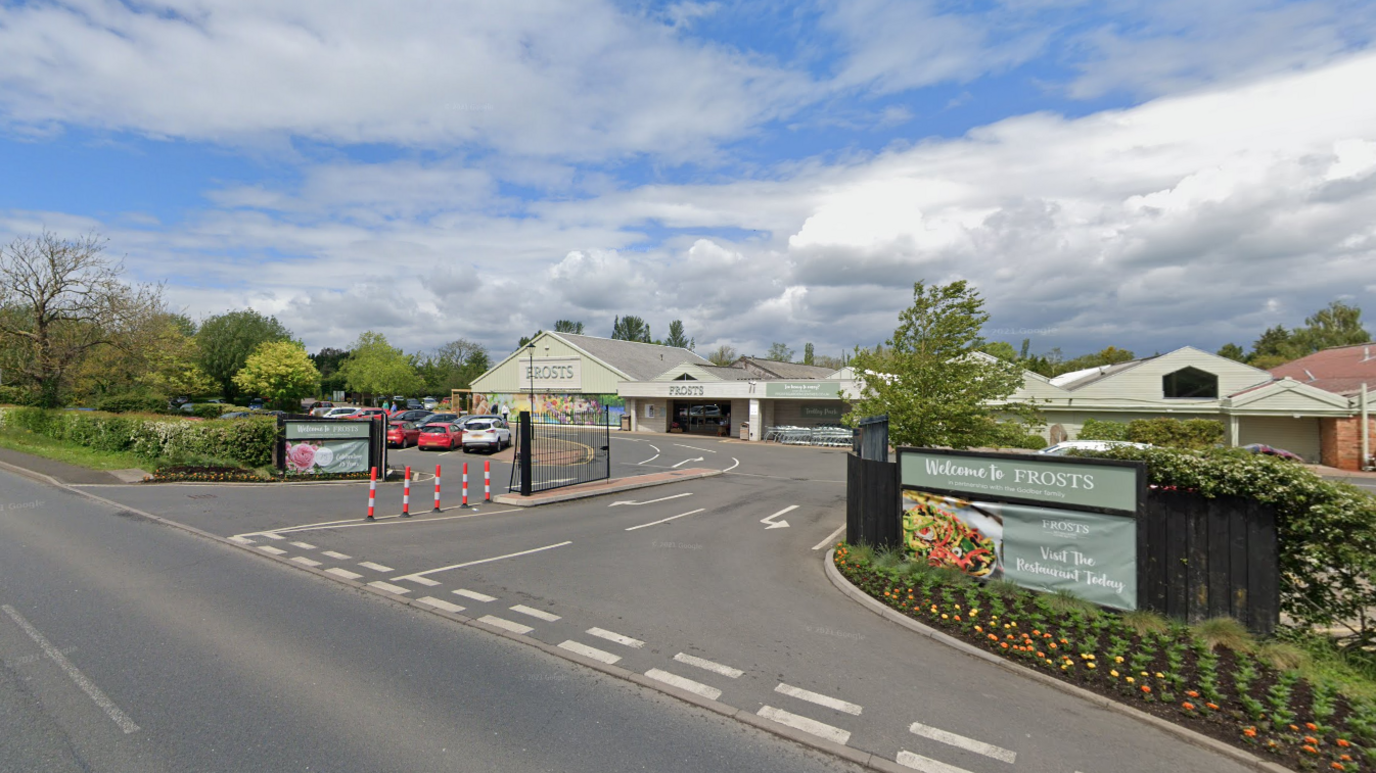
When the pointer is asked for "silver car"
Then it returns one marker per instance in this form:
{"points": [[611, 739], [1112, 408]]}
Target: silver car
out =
{"points": [[488, 432]]}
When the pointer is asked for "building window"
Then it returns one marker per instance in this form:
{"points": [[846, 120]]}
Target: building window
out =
{"points": [[649, 410], [1189, 383], [685, 377]]}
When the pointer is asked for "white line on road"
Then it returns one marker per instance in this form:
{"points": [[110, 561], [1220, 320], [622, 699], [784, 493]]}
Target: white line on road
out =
{"points": [[830, 537], [697, 688], [345, 573], [472, 594], [272, 550], [651, 501], [538, 614], [338, 556], [778, 524], [87, 686], [819, 729], [969, 744], [695, 448], [666, 520], [734, 466], [241, 539], [685, 461], [270, 535], [426, 581], [601, 656], [485, 560], [304, 545], [818, 698], [389, 587], [926, 764], [440, 604], [656, 456], [392, 520], [505, 624], [603, 633], [305, 561], [715, 668], [375, 567]]}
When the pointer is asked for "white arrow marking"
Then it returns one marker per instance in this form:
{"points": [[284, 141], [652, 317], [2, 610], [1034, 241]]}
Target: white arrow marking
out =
{"points": [[778, 524], [651, 501], [685, 461]]}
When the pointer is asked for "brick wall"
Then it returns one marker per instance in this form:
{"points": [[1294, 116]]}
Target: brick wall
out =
{"points": [[1340, 441]]}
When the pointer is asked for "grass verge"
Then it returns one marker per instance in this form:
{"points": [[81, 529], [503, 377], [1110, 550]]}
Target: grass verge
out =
{"points": [[78, 456]]}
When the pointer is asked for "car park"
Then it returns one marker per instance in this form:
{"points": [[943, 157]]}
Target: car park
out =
{"points": [[1065, 447], [485, 432], [446, 436], [414, 415], [402, 434]]}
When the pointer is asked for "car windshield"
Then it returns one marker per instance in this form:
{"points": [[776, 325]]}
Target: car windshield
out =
{"points": [[478, 425], [435, 429], [443, 417]]}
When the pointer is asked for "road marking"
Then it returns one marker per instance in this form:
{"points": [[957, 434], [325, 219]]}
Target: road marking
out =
{"points": [[272, 550], [305, 561], [818, 698], [304, 545], [538, 614], [389, 587], [695, 448], [685, 461], [87, 686], [375, 567], [440, 604], [830, 537], [651, 459], [697, 688], [270, 535], [666, 520], [603, 633], [819, 729], [426, 581], [242, 540], [395, 520], [476, 596], [715, 668], [486, 560], [651, 501], [734, 466], [505, 624], [590, 652], [339, 556], [345, 573], [968, 744], [926, 764], [778, 524]]}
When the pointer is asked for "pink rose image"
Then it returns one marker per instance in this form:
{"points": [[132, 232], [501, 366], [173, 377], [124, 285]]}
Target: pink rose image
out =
{"points": [[300, 457]]}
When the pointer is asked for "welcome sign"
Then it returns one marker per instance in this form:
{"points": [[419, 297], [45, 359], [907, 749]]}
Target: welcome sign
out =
{"points": [[1060, 481]]}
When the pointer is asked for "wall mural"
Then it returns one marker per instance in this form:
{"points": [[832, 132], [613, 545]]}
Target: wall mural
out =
{"points": [[567, 408]]}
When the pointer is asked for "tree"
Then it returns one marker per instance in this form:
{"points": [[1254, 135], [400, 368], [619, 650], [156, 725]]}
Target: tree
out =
{"points": [[452, 366], [723, 356], [1274, 347], [631, 328], [931, 381], [779, 352], [376, 368], [279, 371], [809, 356], [527, 339], [227, 340], [1337, 324], [566, 326], [677, 336], [63, 300], [1232, 352], [1001, 349]]}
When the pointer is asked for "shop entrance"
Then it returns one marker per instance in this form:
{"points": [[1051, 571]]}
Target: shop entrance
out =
{"points": [[702, 418]]}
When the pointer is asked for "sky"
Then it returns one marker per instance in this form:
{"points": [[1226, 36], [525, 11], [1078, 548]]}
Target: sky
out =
{"points": [[1146, 175]]}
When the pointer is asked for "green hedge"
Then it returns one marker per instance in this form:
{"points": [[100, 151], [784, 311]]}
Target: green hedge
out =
{"points": [[133, 402], [1196, 434], [1094, 429], [248, 441]]}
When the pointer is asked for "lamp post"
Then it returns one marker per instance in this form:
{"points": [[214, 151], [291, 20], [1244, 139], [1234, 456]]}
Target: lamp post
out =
{"points": [[530, 377]]}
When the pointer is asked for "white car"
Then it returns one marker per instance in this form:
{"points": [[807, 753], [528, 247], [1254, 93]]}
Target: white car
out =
{"points": [[1064, 447], [341, 413], [487, 432]]}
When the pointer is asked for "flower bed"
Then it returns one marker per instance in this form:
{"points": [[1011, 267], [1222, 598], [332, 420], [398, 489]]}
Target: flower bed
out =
{"points": [[1211, 678], [187, 473]]}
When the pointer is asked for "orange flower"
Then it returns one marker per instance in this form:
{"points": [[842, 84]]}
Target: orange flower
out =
{"points": [[1338, 766], [1343, 742], [1146, 688], [1311, 740], [1250, 732], [1310, 749], [1003, 644], [1192, 693], [1188, 706], [1311, 725], [1212, 706]]}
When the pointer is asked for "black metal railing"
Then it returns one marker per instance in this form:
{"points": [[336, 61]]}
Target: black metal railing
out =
{"points": [[551, 454]]}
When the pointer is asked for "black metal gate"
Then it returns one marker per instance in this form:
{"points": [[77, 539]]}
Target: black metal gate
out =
{"points": [[550, 454]]}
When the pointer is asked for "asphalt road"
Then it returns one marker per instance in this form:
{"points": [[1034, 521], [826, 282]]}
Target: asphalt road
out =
{"points": [[688, 584], [131, 646]]}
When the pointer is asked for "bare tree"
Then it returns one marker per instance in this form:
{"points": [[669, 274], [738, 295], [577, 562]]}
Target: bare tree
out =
{"points": [[65, 299], [723, 356]]}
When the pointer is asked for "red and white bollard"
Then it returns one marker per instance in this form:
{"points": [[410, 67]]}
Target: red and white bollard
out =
{"points": [[487, 481], [437, 488], [372, 495], [406, 495], [465, 484]]}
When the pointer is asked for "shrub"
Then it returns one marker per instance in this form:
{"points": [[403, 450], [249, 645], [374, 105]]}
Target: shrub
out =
{"points": [[15, 395], [1094, 429], [1195, 434], [247, 441], [208, 410], [132, 402]]}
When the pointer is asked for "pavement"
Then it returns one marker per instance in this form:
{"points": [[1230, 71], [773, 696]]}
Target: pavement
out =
{"points": [[67, 473]]}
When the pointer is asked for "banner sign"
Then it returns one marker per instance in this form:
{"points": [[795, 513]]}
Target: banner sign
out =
{"points": [[557, 374], [823, 412], [310, 430], [813, 389], [1062, 481], [314, 447]]}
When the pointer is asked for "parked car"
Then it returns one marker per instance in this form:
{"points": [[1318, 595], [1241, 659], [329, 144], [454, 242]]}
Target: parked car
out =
{"points": [[255, 404], [1281, 453], [1065, 447], [413, 404], [485, 432], [364, 414], [446, 436], [414, 415], [440, 418], [236, 415], [402, 434], [321, 407], [429, 402]]}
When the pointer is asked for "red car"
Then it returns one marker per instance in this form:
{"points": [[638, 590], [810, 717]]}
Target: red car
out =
{"points": [[369, 413], [402, 434], [446, 436]]}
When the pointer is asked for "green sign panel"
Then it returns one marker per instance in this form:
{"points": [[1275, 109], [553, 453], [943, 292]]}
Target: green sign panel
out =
{"points": [[302, 430], [1079, 482], [824, 412], [804, 389]]}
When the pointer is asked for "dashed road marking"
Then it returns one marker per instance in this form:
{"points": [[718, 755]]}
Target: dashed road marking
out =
{"points": [[345, 573], [926, 764], [336, 556], [440, 604], [716, 668], [305, 561], [960, 741], [819, 729], [304, 545], [270, 535], [603, 633], [538, 614], [818, 698], [272, 550], [505, 624], [666, 520], [590, 652], [472, 594], [242, 540], [426, 581], [389, 587], [697, 688], [375, 567]]}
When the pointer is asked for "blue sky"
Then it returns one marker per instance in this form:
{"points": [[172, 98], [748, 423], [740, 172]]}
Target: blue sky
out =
{"points": [[1146, 175]]}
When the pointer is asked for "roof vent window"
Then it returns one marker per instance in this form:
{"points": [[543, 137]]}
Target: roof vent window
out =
{"points": [[1189, 383]]}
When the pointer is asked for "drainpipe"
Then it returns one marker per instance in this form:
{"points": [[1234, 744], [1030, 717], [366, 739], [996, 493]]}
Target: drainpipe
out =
{"points": [[1366, 433]]}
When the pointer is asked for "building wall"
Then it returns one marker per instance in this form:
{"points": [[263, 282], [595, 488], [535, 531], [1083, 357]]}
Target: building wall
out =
{"points": [[506, 377], [1300, 436], [791, 412], [1340, 442], [659, 422], [1143, 383], [1073, 421]]}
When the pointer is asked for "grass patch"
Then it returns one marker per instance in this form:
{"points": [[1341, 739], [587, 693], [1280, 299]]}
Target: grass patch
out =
{"points": [[78, 456]]}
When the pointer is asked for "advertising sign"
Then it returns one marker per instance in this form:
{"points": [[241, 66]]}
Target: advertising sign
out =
{"points": [[1063, 481], [813, 389], [327, 447], [556, 374]]}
